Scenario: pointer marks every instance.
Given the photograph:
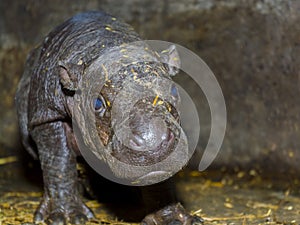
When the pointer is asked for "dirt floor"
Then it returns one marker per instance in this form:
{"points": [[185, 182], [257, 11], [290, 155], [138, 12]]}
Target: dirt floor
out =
{"points": [[239, 197]]}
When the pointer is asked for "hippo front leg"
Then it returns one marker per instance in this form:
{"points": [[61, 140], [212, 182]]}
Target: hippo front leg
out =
{"points": [[163, 196], [61, 201]]}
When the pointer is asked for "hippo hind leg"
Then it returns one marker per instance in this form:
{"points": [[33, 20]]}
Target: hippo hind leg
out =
{"points": [[21, 102]]}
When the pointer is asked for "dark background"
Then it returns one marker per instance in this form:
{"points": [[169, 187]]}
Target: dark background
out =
{"points": [[251, 46]]}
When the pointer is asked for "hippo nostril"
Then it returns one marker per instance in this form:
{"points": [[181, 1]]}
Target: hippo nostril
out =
{"points": [[165, 135], [137, 141], [170, 136]]}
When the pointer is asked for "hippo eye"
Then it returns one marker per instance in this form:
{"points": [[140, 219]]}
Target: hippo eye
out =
{"points": [[174, 91], [99, 105]]}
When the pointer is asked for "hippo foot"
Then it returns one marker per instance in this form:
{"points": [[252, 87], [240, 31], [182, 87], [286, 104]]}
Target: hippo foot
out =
{"points": [[57, 212], [172, 215]]}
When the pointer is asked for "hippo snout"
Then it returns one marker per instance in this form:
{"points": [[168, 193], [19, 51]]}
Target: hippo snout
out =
{"points": [[149, 135]]}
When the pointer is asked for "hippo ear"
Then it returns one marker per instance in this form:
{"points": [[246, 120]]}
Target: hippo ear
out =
{"points": [[170, 56], [69, 75]]}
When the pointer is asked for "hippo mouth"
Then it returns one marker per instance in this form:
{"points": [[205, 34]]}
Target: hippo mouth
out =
{"points": [[136, 155]]}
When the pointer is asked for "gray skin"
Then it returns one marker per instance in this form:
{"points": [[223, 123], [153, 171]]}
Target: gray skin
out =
{"points": [[44, 102]]}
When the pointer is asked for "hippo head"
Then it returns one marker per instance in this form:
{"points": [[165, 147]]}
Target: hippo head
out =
{"points": [[126, 115]]}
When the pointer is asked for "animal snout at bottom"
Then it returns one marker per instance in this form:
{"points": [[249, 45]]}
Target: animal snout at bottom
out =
{"points": [[149, 135]]}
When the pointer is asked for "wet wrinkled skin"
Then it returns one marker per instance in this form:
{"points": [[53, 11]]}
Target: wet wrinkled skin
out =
{"points": [[45, 99]]}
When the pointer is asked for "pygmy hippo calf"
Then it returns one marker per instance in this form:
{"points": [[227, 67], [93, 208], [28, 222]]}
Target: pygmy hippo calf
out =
{"points": [[87, 69]]}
